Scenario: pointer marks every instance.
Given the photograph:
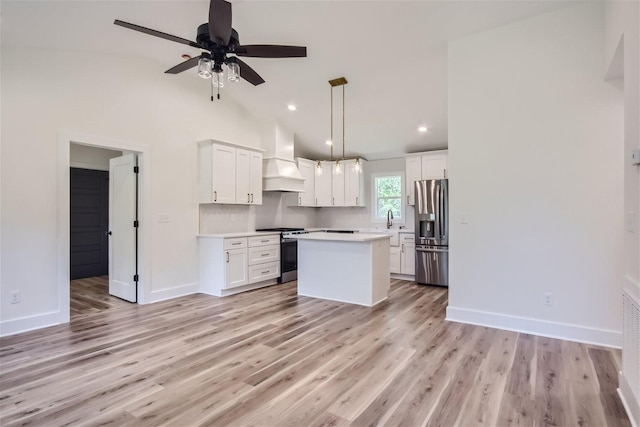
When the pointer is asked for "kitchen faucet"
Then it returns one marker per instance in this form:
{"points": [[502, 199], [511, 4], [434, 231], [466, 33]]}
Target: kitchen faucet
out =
{"points": [[389, 218]]}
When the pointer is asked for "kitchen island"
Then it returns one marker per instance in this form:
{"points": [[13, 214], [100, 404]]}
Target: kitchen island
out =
{"points": [[352, 268]]}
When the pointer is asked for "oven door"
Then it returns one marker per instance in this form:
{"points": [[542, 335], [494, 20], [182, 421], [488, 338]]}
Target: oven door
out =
{"points": [[288, 260]]}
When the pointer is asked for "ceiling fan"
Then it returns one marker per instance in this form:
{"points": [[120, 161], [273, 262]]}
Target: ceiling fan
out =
{"points": [[218, 40]]}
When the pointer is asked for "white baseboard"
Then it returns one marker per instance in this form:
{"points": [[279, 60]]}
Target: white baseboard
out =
{"points": [[30, 323], [407, 277], [564, 331], [175, 292], [240, 289], [631, 403]]}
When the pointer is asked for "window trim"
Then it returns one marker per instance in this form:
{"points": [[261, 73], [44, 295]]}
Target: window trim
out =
{"points": [[374, 197]]}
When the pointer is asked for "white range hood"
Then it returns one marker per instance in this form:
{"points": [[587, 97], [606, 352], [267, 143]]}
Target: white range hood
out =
{"points": [[279, 170]]}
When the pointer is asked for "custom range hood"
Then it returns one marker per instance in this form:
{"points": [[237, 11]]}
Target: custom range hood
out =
{"points": [[279, 170]]}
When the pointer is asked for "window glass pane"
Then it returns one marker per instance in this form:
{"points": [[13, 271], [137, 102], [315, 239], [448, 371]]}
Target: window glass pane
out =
{"points": [[389, 186], [388, 197], [386, 204]]}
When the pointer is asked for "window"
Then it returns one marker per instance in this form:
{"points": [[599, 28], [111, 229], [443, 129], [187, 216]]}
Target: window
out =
{"points": [[387, 195]]}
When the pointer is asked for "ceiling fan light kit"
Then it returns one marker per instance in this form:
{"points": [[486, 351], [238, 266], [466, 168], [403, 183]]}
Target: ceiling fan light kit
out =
{"points": [[217, 39]]}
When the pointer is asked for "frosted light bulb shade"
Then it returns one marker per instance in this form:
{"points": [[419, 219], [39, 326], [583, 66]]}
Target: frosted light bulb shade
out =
{"points": [[233, 72], [338, 169], [357, 167], [217, 80], [319, 169], [204, 68]]}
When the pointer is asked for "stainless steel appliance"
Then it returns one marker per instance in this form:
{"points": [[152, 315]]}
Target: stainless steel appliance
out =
{"points": [[288, 252], [432, 231]]}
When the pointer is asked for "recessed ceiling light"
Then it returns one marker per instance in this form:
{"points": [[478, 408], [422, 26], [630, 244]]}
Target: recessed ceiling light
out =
{"points": [[422, 129], [328, 142], [292, 107]]}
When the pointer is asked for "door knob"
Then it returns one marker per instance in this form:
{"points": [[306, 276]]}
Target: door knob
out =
{"points": [[108, 233]]}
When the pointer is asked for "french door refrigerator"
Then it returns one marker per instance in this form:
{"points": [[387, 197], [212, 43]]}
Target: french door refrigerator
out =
{"points": [[432, 231]]}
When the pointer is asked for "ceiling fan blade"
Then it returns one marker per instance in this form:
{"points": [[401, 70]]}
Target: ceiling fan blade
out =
{"points": [[271, 51], [156, 33], [220, 21], [184, 66], [248, 73]]}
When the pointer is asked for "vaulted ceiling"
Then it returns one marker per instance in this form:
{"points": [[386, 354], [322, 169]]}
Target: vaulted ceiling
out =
{"points": [[393, 53]]}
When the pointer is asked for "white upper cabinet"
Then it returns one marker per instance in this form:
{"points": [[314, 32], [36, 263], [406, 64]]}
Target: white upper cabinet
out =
{"points": [[354, 183], [428, 165], [323, 185], [229, 173], [308, 171], [434, 166], [337, 185]]}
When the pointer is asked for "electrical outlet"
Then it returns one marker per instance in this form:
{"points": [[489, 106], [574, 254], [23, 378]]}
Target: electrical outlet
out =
{"points": [[548, 298], [14, 297]]}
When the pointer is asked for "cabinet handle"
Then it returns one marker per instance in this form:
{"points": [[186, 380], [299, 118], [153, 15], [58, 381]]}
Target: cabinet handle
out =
{"points": [[316, 201], [264, 241], [407, 199], [356, 200], [402, 250], [444, 172], [215, 196], [299, 200], [333, 201], [236, 243], [264, 254], [248, 199], [251, 197], [227, 257], [265, 272]]}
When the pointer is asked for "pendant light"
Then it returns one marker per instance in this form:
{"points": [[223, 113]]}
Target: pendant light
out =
{"points": [[339, 168]]}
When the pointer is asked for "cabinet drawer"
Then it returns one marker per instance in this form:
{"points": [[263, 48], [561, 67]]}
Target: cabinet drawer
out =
{"points": [[264, 240], [261, 272], [235, 243], [407, 238], [263, 254]]}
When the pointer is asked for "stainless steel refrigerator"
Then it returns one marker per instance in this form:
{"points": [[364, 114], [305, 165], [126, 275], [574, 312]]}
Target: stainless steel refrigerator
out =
{"points": [[432, 231]]}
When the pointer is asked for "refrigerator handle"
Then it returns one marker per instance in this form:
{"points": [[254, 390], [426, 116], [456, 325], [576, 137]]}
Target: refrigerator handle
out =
{"points": [[437, 226], [445, 214]]}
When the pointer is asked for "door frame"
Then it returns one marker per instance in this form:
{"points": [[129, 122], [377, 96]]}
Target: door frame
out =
{"points": [[65, 139]]}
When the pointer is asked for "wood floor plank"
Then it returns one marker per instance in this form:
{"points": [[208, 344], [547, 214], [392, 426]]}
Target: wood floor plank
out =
{"points": [[272, 358]]}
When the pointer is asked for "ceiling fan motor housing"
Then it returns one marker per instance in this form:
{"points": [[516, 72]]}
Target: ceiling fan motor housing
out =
{"points": [[203, 38]]}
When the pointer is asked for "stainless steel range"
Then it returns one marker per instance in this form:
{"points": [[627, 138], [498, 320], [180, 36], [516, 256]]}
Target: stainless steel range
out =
{"points": [[288, 252]]}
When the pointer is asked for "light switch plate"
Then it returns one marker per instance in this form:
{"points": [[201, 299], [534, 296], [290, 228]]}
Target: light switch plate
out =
{"points": [[464, 218], [163, 218]]}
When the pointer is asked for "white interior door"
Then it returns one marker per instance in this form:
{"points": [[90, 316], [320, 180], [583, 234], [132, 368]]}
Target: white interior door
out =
{"points": [[123, 233]]}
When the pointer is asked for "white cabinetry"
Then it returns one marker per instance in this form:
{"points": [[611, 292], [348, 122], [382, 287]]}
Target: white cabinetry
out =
{"points": [[229, 174], [353, 183], [407, 254], [230, 265], [337, 185], [394, 259], [249, 178], [323, 184], [307, 169], [428, 165]]}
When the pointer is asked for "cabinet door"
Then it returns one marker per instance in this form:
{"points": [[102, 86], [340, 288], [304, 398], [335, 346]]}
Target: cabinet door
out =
{"points": [[236, 268], [434, 166], [255, 178], [323, 185], [413, 173], [337, 185], [394, 259], [353, 183], [408, 258], [223, 174], [243, 179], [308, 172]]}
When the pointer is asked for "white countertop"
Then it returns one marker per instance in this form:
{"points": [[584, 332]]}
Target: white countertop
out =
{"points": [[343, 237], [241, 234]]}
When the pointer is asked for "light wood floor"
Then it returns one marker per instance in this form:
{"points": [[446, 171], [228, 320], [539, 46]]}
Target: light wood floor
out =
{"points": [[272, 358]]}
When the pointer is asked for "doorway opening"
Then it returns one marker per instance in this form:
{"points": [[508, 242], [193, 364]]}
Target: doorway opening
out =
{"points": [[103, 198]]}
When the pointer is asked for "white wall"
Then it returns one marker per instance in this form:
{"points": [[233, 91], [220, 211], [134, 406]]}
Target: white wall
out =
{"points": [[362, 217], [86, 157], [117, 97], [535, 155]]}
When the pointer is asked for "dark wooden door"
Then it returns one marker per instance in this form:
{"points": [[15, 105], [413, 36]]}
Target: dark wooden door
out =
{"points": [[89, 223]]}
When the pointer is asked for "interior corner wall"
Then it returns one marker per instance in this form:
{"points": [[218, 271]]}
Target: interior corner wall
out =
{"points": [[112, 97], [535, 158]]}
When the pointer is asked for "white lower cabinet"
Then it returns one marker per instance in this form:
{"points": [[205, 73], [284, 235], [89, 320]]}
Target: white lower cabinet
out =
{"points": [[236, 268], [407, 254], [230, 265], [394, 259]]}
